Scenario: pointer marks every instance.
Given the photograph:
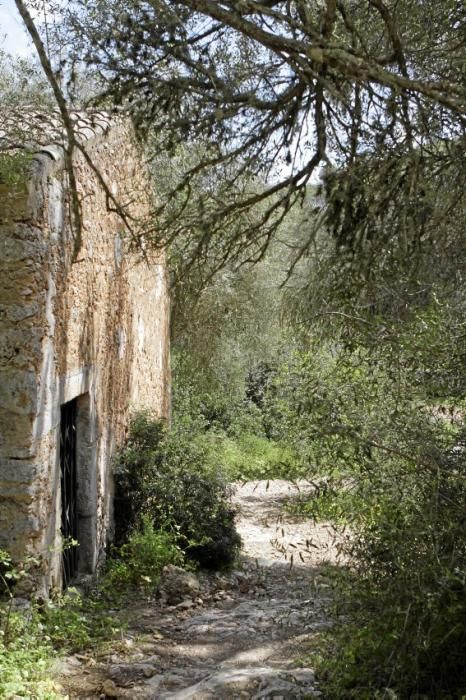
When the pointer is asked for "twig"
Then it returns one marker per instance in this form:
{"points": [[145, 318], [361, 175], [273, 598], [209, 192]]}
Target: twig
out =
{"points": [[66, 118]]}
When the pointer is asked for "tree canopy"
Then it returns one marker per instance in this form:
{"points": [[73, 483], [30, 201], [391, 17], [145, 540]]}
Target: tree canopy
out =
{"points": [[273, 92]]}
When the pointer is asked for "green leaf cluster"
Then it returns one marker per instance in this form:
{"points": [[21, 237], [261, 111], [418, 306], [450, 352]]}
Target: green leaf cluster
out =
{"points": [[139, 562], [387, 454], [166, 476]]}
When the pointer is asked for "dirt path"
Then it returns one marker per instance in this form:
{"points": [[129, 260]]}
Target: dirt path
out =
{"points": [[243, 634]]}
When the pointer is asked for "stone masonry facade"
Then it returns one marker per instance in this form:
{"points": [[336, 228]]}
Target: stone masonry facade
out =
{"points": [[86, 329]]}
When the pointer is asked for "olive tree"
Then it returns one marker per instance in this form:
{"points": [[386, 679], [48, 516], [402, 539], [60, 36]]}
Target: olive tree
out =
{"points": [[371, 91]]}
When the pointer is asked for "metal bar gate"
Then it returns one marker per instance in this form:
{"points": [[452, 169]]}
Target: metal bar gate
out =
{"points": [[69, 515]]}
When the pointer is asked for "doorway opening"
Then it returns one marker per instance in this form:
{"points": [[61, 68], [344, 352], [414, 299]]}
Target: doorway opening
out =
{"points": [[69, 487], [78, 479]]}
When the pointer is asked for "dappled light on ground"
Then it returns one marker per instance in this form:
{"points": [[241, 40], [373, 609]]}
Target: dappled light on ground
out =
{"points": [[245, 633]]}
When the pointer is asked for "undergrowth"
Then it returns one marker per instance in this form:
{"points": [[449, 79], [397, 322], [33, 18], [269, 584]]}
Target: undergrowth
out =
{"points": [[389, 466], [73, 623], [167, 477], [33, 638], [400, 609], [250, 457], [26, 657], [138, 564], [33, 633]]}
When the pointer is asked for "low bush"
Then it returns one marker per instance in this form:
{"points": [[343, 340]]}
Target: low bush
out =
{"points": [[26, 657], [73, 623], [32, 638], [401, 623], [26, 651], [139, 562], [247, 420], [252, 456], [400, 461], [168, 476]]}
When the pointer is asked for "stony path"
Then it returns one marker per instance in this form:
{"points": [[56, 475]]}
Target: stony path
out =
{"points": [[243, 633]]}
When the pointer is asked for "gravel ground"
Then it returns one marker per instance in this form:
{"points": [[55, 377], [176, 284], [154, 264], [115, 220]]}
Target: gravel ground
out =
{"points": [[240, 634], [270, 534]]}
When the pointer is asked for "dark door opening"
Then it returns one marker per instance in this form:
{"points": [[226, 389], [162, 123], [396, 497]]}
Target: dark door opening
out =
{"points": [[69, 511]]}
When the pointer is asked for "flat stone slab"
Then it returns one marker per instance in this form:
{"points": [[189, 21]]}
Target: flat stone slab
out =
{"points": [[254, 683]]}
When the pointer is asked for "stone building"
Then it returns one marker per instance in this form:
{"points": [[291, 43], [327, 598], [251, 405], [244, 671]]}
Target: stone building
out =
{"points": [[84, 340]]}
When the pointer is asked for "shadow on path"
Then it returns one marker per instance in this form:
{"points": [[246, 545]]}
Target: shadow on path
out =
{"points": [[242, 637]]}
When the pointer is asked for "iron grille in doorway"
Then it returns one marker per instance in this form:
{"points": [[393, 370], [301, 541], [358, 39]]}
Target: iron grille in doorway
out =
{"points": [[69, 513]]}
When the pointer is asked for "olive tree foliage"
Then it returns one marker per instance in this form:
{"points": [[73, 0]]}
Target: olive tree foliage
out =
{"points": [[272, 92], [232, 324], [29, 116], [24, 93], [57, 119], [22, 82]]}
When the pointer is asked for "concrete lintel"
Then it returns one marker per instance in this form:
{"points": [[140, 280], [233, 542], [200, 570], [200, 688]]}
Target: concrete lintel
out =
{"points": [[68, 387], [75, 384]]}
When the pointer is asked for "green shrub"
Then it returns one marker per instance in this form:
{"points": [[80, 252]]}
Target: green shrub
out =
{"points": [[403, 604], [395, 471], [26, 658], [411, 566], [168, 476], [26, 652], [73, 623], [137, 462], [247, 420], [139, 562], [250, 456], [402, 471], [31, 638], [30, 641]]}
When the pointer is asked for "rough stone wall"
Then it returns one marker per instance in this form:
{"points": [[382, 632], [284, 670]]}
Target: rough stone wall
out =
{"points": [[91, 327]]}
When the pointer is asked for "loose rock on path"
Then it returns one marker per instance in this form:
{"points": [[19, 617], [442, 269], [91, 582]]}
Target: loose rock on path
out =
{"points": [[240, 635]]}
